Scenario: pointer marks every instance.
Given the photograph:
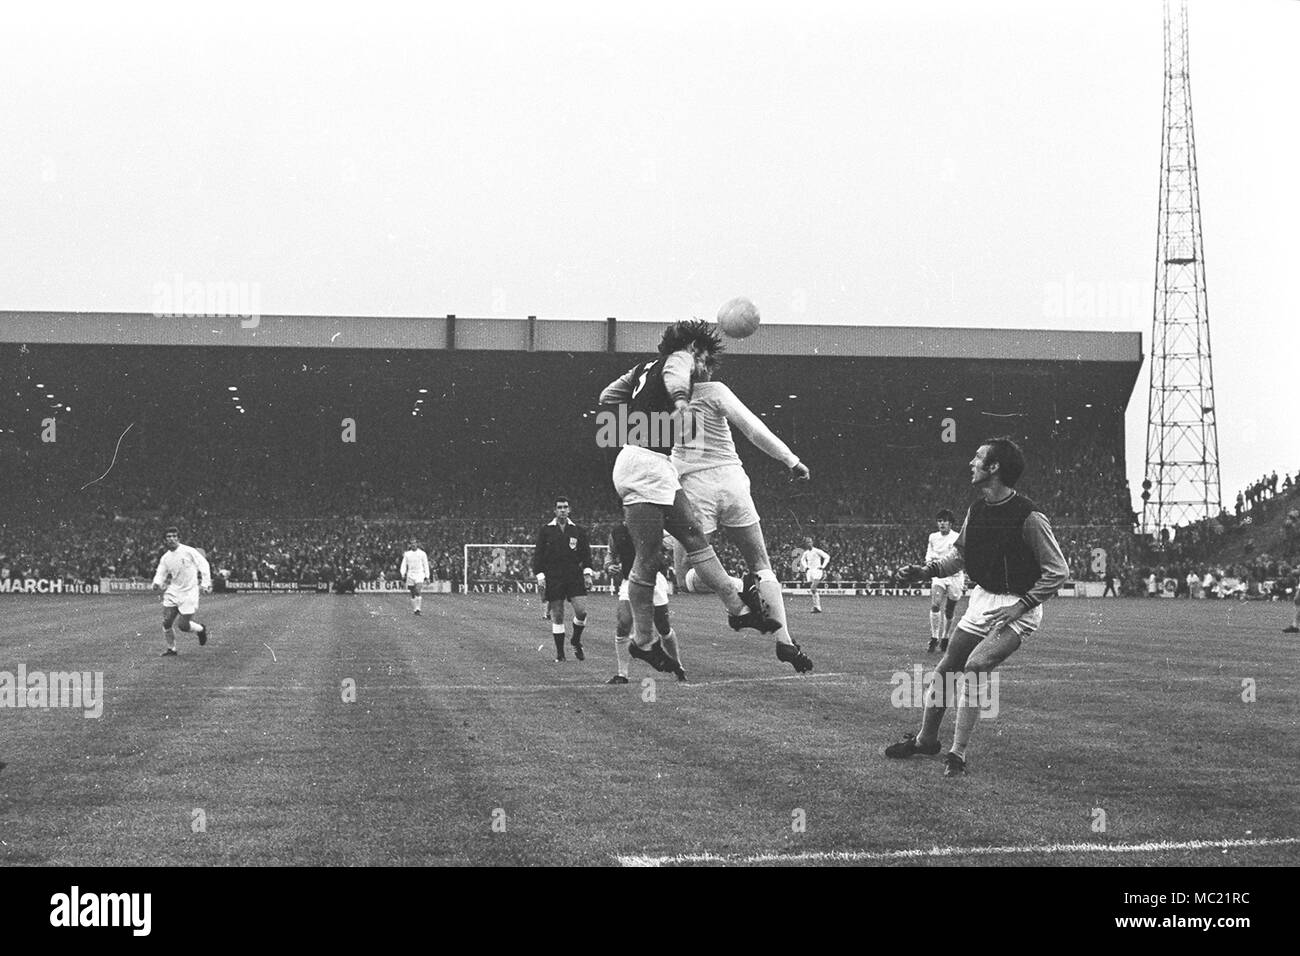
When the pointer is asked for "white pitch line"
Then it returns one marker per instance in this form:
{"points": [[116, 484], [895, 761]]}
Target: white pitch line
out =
{"points": [[760, 680], [863, 856], [272, 650]]}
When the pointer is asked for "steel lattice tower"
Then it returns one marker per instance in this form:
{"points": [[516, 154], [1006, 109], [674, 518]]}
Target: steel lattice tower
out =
{"points": [[1182, 463]]}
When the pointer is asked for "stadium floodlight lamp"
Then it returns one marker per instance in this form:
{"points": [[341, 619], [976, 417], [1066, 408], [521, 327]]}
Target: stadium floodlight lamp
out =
{"points": [[794, 396], [51, 395], [776, 406], [1088, 405], [40, 385], [424, 391], [969, 399]]}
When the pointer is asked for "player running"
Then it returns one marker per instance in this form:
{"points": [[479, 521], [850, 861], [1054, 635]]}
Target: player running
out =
{"points": [[185, 572], [1008, 549], [653, 392], [622, 555], [942, 589], [415, 572], [814, 562], [715, 481], [562, 564]]}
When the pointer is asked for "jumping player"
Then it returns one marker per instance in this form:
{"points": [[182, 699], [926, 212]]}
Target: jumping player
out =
{"points": [[814, 562], [1008, 549], [415, 572], [715, 481], [562, 564], [185, 572], [944, 592], [622, 555], [655, 393]]}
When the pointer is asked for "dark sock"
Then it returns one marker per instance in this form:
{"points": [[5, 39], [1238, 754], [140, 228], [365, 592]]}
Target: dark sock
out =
{"points": [[559, 644], [577, 631]]}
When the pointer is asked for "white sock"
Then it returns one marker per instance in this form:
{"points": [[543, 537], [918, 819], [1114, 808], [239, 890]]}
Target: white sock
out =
{"points": [[936, 626], [670, 645], [769, 589], [417, 601], [620, 653]]}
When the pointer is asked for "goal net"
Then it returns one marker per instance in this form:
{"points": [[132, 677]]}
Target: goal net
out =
{"points": [[508, 569]]}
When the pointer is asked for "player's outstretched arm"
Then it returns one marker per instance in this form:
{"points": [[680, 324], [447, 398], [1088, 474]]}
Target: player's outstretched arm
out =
{"points": [[620, 390], [752, 427]]}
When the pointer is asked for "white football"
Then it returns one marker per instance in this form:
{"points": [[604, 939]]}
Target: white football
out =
{"points": [[738, 318]]}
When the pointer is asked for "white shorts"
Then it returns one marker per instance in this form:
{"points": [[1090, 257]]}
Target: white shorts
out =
{"points": [[952, 587], [186, 603], [814, 575], [983, 605], [661, 591], [642, 476], [416, 580], [721, 496]]}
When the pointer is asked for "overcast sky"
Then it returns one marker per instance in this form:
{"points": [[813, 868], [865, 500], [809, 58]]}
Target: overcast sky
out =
{"points": [[956, 164]]}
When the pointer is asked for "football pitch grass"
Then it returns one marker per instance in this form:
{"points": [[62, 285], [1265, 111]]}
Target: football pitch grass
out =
{"points": [[466, 744]]}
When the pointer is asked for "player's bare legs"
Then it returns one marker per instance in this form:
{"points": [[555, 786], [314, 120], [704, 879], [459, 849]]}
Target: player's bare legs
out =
{"points": [[981, 662], [952, 662], [645, 524], [416, 600], [753, 548], [187, 624], [950, 623], [169, 616], [682, 522]]}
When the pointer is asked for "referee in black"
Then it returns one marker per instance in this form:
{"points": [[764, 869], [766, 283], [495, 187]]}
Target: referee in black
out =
{"points": [[562, 563]]}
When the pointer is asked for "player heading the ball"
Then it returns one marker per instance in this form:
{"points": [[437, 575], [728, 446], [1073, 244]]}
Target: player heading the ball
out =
{"points": [[652, 496]]}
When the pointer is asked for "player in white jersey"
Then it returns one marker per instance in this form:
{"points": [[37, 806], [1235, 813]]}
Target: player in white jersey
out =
{"points": [[184, 571], [715, 481], [814, 562], [942, 590], [415, 572]]}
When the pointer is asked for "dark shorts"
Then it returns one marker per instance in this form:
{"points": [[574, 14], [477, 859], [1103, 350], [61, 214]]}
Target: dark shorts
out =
{"points": [[565, 590]]}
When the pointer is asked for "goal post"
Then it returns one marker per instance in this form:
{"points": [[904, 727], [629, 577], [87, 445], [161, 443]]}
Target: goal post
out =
{"points": [[508, 569]]}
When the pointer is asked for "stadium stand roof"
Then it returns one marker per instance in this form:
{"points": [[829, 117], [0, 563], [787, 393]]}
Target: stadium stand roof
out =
{"points": [[558, 335]]}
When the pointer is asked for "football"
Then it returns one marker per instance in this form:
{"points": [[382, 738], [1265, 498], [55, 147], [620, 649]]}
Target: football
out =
{"points": [[738, 318]]}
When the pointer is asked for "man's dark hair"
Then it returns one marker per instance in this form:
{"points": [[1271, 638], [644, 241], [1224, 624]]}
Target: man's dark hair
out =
{"points": [[1007, 454], [561, 498], [944, 515], [682, 335], [173, 530]]}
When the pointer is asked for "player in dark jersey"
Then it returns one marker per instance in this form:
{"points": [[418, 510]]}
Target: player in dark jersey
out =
{"points": [[654, 411], [622, 555], [1008, 550]]}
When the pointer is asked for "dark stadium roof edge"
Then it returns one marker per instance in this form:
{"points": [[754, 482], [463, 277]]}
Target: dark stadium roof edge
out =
{"points": [[532, 334]]}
